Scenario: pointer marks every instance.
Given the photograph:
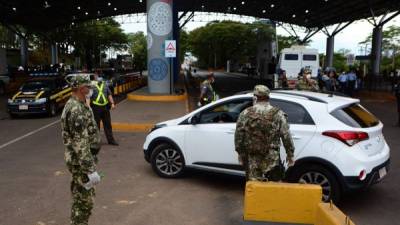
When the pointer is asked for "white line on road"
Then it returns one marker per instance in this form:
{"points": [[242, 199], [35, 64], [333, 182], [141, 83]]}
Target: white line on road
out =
{"points": [[28, 134]]}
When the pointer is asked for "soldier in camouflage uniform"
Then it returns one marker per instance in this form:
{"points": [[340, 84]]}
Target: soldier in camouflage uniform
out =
{"points": [[82, 143], [305, 83], [258, 135]]}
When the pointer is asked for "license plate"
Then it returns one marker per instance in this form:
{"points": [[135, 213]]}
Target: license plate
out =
{"points": [[382, 172], [23, 107]]}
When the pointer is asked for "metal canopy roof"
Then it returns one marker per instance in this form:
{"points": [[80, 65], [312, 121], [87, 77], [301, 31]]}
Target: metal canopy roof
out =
{"points": [[45, 15]]}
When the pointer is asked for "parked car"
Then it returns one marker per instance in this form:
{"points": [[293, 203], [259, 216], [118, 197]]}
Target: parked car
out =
{"points": [[338, 143], [42, 94]]}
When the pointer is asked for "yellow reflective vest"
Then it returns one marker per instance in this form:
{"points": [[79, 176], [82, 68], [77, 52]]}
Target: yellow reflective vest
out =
{"points": [[101, 99]]}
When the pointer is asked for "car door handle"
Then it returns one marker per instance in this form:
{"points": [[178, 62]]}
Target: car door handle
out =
{"points": [[295, 137], [230, 132]]}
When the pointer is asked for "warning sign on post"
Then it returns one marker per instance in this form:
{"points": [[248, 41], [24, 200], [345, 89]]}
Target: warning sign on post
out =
{"points": [[170, 48]]}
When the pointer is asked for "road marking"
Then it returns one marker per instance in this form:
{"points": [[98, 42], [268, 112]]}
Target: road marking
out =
{"points": [[28, 134]]}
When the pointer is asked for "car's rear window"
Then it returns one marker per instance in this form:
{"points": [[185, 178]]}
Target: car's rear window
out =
{"points": [[355, 116]]}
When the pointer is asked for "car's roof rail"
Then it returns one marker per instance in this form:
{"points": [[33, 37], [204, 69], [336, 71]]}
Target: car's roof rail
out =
{"points": [[301, 95]]}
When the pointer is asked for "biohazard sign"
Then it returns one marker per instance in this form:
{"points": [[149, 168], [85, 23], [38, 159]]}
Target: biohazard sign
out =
{"points": [[170, 48]]}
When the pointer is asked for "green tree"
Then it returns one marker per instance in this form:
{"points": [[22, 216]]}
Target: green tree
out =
{"points": [[340, 62], [184, 44], [391, 44], [90, 39], [7, 38], [288, 41], [218, 42], [138, 49]]}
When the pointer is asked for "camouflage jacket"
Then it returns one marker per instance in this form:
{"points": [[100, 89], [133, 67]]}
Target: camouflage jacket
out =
{"points": [[80, 134], [258, 135], [305, 86]]}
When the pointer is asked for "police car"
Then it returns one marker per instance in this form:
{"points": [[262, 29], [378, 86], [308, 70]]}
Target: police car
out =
{"points": [[338, 143], [42, 94]]}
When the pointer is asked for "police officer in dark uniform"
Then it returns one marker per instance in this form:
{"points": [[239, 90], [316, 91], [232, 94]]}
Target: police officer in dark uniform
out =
{"points": [[101, 102], [207, 93]]}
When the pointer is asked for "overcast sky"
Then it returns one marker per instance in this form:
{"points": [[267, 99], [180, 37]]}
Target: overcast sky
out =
{"points": [[348, 38]]}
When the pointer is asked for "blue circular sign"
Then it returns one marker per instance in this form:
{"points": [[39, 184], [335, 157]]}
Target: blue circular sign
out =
{"points": [[158, 69]]}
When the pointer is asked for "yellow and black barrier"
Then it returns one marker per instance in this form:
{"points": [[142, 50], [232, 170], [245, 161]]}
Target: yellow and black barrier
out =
{"points": [[272, 202], [130, 83]]}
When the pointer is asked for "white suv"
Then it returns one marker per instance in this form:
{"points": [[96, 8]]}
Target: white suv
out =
{"points": [[338, 143]]}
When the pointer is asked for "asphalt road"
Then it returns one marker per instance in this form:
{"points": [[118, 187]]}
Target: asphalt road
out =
{"points": [[35, 183]]}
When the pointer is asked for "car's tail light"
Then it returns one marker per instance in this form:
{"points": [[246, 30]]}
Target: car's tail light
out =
{"points": [[362, 175], [350, 138]]}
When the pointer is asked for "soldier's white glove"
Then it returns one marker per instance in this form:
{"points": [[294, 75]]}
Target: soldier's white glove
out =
{"points": [[198, 104], [94, 179]]}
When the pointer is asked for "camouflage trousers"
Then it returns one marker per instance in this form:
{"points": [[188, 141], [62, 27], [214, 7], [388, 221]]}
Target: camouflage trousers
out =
{"points": [[82, 200], [263, 172]]}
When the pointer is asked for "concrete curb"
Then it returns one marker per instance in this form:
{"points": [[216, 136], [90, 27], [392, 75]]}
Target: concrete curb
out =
{"points": [[287, 203], [157, 98], [329, 214], [281, 202]]}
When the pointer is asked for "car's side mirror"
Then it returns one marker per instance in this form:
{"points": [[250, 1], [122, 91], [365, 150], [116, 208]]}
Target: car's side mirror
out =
{"points": [[194, 120]]}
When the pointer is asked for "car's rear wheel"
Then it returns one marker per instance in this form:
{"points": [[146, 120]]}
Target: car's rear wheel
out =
{"points": [[316, 174], [167, 161]]}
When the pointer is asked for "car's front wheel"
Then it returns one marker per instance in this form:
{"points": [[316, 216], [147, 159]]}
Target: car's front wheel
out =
{"points": [[316, 174], [167, 161]]}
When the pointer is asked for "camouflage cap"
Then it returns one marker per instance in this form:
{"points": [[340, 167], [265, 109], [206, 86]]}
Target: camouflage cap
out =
{"points": [[261, 90], [77, 80]]}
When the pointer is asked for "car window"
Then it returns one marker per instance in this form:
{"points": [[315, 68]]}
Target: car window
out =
{"points": [[36, 85], [355, 116], [296, 113], [294, 57], [310, 57], [227, 112]]}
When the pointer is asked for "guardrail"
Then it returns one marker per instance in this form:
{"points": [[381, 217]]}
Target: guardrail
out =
{"points": [[129, 82]]}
